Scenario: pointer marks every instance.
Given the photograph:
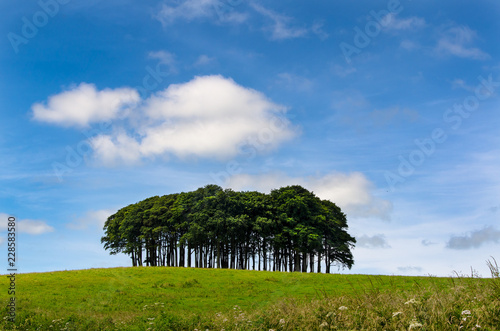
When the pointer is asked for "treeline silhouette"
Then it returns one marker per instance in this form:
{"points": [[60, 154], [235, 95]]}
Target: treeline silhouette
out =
{"points": [[289, 229]]}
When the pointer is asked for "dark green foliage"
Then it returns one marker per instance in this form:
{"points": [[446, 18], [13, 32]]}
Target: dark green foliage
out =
{"points": [[288, 230]]}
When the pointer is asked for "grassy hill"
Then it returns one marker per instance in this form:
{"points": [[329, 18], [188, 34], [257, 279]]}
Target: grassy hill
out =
{"points": [[159, 298]]}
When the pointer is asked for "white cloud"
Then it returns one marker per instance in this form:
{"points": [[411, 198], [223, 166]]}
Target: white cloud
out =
{"points": [[93, 218], [209, 116], [353, 192], [83, 105], [26, 225], [475, 239], [456, 41]]}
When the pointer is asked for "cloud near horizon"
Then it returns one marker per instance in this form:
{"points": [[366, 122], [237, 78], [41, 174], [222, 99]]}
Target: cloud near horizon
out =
{"points": [[475, 239], [352, 192], [207, 117], [375, 241]]}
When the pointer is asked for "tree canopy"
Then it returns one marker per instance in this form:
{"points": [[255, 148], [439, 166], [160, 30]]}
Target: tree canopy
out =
{"points": [[289, 229]]}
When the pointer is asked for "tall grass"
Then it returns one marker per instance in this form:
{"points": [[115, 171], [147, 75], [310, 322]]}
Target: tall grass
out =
{"points": [[464, 304]]}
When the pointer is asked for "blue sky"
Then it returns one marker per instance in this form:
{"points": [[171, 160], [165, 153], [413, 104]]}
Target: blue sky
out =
{"points": [[387, 108]]}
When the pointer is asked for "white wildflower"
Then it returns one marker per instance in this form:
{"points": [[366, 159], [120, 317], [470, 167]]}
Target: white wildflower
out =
{"points": [[282, 321], [466, 312], [411, 301], [415, 324], [343, 308], [396, 313]]}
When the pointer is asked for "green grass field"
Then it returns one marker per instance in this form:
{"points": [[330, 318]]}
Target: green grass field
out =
{"points": [[159, 298]]}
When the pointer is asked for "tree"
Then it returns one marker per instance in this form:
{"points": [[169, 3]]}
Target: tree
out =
{"points": [[288, 230]]}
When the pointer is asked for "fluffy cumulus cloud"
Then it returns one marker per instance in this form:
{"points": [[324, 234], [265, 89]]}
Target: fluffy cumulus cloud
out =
{"points": [[375, 241], [352, 192], [84, 104], [457, 41], [475, 239], [209, 117]]}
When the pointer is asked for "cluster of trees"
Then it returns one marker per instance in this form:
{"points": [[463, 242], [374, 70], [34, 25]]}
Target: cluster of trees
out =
{"points": [[289, 229]]}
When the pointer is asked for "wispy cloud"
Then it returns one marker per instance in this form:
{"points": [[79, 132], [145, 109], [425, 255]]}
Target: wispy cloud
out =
{"points": [[458, 41], [190, 10], [280, 27], [475, 239], [203, 60], [165, 58], [392, 23], [293, 82], [342, 71]]}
